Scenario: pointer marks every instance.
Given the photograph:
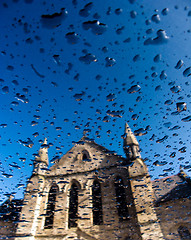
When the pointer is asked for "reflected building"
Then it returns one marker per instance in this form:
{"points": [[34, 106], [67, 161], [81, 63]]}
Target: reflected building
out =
{"points": [[92, 193]]}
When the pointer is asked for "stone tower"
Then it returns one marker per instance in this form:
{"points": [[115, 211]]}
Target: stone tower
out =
{"points": [[141, 188], [90, 193]]}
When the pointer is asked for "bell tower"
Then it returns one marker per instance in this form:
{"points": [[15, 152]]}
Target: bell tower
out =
{"points": [[130, 144], [141, 188], [33, 199], [41, 160]]}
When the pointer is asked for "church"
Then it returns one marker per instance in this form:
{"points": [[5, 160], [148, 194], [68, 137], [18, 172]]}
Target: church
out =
{"points": [[92, 193]]}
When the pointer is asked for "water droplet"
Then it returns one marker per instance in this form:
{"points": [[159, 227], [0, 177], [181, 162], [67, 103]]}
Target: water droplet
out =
{"points": [[158, 88], [173, 154], [165, 11], [161, 38], [140, 132], [134, 89], [88, 58], [21, 98], [5, 90], [182, 150], [57, 59], [136, 58], [29, 143], [110, 97], [181, 106], [110, 62], [118, 11], [135, 116], [186, 119], [85, 12], [133, 14], [155, 18], [96, 27], [175, 89], [163, 75], [179, 64], [168, 102], [161, 139], [187, 72], [54, 20], [157, 58], [78, 96], [118, 114], [72, 37]]}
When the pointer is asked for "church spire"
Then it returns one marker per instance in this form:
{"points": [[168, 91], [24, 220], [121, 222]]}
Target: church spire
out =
{"points": [[130, 144], [41, 160], [43, 153]]}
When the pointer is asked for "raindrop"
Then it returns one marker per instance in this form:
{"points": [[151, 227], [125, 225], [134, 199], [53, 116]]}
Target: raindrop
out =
{"points": [[168, 102], [179, 64], [163, 75], [181, 106], [160, 39], [21, 98], [165, 11], [161, 139], [118, 11], [158, 88], [5, 90], [72, 37], [187, 72], [135, 116], [54, 20], [175, 89], [110, 62], [96, 27], [15, 82], [172, 155], [88, 58], [133, 14], [134, 89], [118, 114], [182, 150], [29, 143], [136, 58], [78, 96], [110, 97], [57, 59], [85, 12], [157, 58], [155, 18], [186, 119], [140, 132]]}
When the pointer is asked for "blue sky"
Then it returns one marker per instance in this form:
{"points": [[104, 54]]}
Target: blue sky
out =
{"points": [[54, 87]]}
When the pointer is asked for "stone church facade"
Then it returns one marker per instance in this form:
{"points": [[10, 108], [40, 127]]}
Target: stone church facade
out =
{"points": [[92, 193]]}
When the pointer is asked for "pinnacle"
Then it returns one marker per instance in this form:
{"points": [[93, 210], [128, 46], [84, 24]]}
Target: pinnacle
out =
{"points": [[130, 138]]}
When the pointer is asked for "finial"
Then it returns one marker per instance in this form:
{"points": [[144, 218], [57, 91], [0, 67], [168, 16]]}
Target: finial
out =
{"points": [[129, 137], [130, 144]]}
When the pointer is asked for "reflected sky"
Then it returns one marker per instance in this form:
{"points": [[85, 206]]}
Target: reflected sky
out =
{"points": [[78, 66]]}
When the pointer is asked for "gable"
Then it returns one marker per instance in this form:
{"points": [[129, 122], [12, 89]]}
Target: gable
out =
{"points": [[170, 188], [85, 156]]}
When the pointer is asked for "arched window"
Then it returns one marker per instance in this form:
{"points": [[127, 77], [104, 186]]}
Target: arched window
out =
{"points": [[184, 233], [73, 206], [84, 156], [121, 199], [97, 203], [50, 207]]}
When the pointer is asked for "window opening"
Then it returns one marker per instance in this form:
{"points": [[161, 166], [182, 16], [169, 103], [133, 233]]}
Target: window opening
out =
{"points": [[51, 207], [84, 157], [97, 203], [121, 199], [73, 206], [184, 233]]}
